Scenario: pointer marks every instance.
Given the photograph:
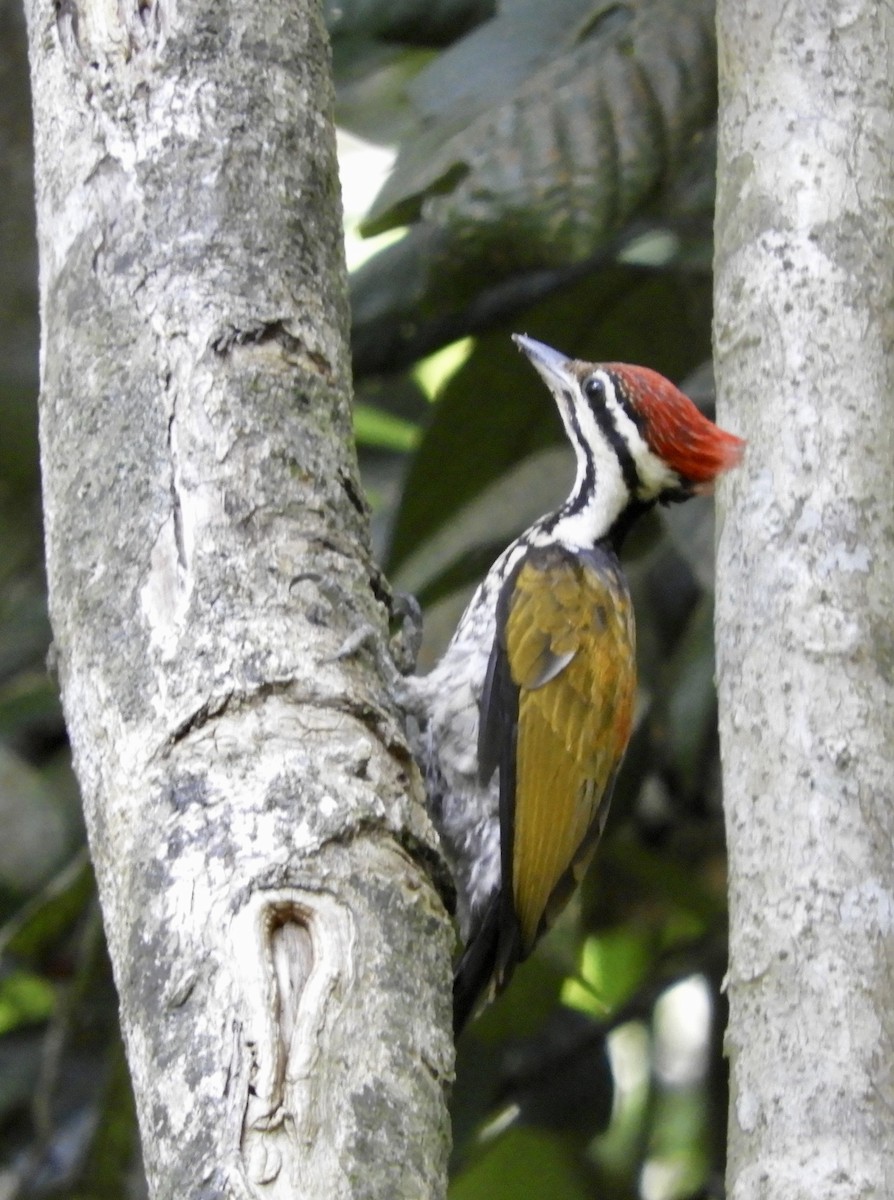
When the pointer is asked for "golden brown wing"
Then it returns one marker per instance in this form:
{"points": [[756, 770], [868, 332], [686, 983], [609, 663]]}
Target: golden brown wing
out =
{"points": [[569, 644]]}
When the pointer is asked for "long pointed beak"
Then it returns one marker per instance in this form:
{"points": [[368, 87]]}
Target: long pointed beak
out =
{"points": [[550, 364]]}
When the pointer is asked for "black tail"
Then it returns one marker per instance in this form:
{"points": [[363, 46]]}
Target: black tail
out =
{"points": [[487, 963], [495, 943]]}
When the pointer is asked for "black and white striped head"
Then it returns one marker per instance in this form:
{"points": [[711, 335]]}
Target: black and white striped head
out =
{"points": [[637, 438]]}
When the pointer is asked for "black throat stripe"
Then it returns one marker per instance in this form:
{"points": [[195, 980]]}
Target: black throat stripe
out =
{"points": [[587, 487], [615, 439], [582, 494]]}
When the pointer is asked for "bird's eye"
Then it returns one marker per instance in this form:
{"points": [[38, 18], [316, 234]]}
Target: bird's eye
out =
{"points": [[594, 389]]}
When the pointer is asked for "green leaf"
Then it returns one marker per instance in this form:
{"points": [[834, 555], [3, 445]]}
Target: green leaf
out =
{"points": [[521, 1163], [373, 427], [25, 999], [544, 177], [611, 967]]}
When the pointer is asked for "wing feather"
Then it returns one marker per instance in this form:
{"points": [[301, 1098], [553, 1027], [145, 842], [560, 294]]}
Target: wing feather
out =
{"points": [[568, 641]]}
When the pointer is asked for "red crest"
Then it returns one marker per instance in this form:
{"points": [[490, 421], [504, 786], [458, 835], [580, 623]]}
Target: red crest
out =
{"points": [[694, 447]]}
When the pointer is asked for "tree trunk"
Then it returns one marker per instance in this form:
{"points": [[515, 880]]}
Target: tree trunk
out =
{"points": [[804, 336], [263, 856]]}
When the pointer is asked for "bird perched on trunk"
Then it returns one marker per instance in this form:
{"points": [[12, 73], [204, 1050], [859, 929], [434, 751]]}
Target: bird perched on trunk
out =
{"points": [[524, 721]]}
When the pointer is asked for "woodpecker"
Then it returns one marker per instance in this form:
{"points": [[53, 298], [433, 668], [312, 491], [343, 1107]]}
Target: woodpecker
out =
{"points": [[524, 721]]}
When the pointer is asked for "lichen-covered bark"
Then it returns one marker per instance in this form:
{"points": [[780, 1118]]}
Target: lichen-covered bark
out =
{"points": [[804, 338], [260, 845]]}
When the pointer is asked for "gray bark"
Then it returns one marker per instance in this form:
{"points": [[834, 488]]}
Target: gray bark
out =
{"points": [[261, 848], [804, 337]]}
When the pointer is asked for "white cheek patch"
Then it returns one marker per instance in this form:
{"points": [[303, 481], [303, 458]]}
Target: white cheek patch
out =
{"points": [[607, 495], [655, 475]]}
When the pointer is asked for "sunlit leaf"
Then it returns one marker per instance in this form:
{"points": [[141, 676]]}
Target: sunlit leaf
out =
{"points": [[25, 999], [611, 966], [522, 1163], [434, 371], [373, 427]]}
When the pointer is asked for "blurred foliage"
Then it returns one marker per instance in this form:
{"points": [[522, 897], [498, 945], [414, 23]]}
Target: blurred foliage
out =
{"points": [[555, 168]]}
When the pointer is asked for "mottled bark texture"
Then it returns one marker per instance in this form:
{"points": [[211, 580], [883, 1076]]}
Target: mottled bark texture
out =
{"points": [[805, 366], [260, 843]]}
